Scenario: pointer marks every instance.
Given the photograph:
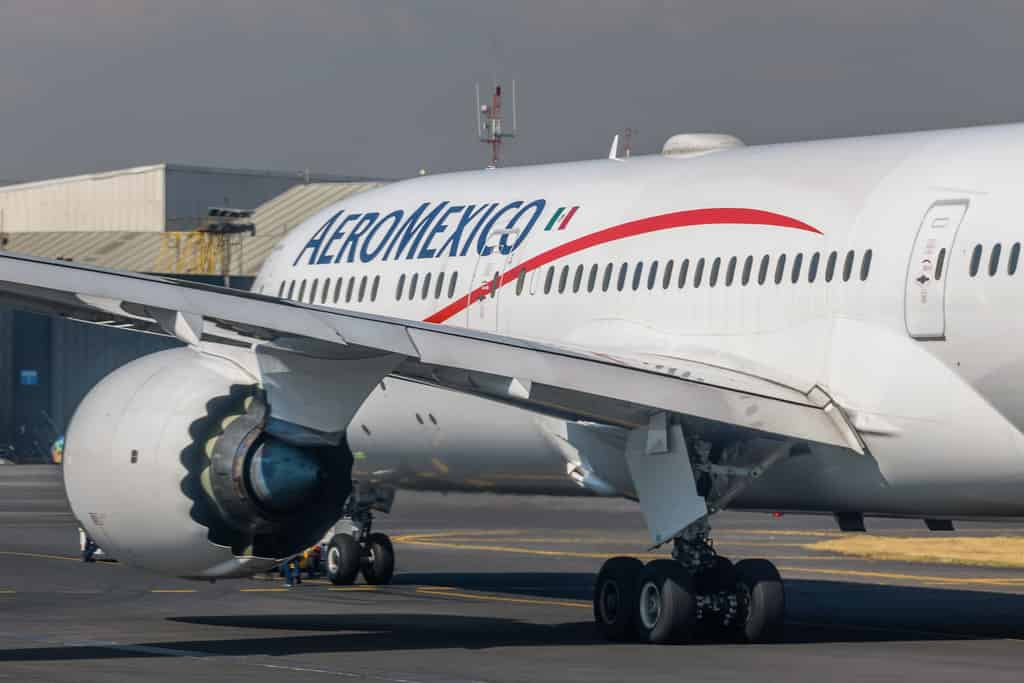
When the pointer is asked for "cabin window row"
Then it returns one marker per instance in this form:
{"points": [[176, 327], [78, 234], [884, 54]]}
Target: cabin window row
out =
{"points": [[340, 290], [994, 260], [703, 272], [426, 286]]}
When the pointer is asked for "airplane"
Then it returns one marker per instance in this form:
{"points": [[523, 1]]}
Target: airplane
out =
{"points": [[820, 327]]}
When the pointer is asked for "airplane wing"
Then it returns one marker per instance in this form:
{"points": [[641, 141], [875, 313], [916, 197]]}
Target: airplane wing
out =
{"points": [[558, 380]]}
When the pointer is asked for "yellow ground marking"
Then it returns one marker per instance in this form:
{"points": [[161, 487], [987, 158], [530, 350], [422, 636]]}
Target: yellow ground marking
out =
{"points": [[918, 578], [173, 590], [452, 593], [353, 589], [1006, 552], [457, 533], [726, 533], [441, 467], [509, 549], [44, 556], [7, 591]]}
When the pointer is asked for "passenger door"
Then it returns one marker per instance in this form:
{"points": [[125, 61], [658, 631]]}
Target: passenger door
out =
{"points": [[925, 293]]}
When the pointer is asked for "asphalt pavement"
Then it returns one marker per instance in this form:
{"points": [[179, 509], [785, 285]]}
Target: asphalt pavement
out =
{"points": [[487, 589]]}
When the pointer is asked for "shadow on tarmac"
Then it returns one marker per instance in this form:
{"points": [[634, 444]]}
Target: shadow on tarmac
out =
{"points": [[817, 612]]}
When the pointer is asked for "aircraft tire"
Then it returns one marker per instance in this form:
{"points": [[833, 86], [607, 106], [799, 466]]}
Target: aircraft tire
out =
{"points": [[615, 597], [666, 604], [342, 563], [380, 565], [761, 589]]}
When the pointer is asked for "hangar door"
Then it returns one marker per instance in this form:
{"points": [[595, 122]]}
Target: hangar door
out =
{"points": [[925, 296]]}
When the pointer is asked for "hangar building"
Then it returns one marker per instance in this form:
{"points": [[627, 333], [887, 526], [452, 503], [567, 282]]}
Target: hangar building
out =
{"points": [[145, 219]]}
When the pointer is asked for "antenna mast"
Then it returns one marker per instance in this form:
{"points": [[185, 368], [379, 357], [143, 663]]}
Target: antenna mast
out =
{"points": [[489, 122]]}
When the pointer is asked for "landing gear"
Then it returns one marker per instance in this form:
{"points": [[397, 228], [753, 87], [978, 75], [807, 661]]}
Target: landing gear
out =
{"points": [[362, 551], [697, 594]]}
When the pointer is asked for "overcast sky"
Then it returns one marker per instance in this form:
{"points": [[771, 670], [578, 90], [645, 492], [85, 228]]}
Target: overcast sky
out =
{"points": [[384, 88]]}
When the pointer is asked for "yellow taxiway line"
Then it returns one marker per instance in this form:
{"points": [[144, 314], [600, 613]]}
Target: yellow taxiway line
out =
{"points": [[446, 592]]}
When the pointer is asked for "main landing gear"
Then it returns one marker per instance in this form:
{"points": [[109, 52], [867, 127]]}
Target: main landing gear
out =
{"points": [[362, 550], [696, 595]]}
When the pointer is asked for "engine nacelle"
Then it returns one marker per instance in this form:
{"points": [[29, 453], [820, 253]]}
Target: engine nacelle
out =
{"points": [[168, 467]]}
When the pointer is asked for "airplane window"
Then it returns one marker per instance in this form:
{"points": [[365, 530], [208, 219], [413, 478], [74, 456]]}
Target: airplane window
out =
{"points": [[549, 279], [993, 259], [652, 275], [376, 286], [337, 290], [426, 286], [563, 279], [412, 287], [577, 279], [638, 274], [865, 265], [352, 285], [748, 265], [683, 267], [302, 291], [439, 287], [848, 266], [939, 263], [495, 283], [362, 287], [312, 291], [798, 261], [452, 283], [698, 273], [762, 271], [730, 272], [1011, 265], [291, 289], [520, 281], [622, 276], [715, 266], [830, 267], [812, 269], [327, 289], [398, 291], [280, 290], [666, 279], [780, 269], [606, 282], [592, 278], [975, 260]]}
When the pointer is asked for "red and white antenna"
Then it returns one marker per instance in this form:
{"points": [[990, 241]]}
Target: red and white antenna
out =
{"points": [[489, 122]]}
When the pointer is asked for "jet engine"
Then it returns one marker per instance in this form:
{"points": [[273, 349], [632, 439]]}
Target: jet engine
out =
{"points": [[169, 466]]}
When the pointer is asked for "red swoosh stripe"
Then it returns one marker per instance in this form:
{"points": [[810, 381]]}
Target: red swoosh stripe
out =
{"points": [[665, 221]]}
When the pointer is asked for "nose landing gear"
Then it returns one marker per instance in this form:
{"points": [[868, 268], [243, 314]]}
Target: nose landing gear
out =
{"points": [[698, 593]]}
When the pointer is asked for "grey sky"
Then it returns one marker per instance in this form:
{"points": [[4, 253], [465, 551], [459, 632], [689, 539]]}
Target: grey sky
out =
{"points": [[384, 88]]}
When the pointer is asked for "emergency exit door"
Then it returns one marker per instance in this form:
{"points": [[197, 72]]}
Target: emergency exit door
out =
{"points": [[925, 297]]}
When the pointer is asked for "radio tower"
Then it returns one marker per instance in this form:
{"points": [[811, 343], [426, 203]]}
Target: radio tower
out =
{"points": [[489, 122]]}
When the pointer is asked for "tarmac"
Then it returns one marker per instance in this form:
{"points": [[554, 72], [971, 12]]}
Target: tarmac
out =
{"points": [[488, 588]]}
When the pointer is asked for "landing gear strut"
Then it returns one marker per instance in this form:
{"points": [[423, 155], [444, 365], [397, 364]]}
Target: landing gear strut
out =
{"points": [[698, 593], [361, 550]]}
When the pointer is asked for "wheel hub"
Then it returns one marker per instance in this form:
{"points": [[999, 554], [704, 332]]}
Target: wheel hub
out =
{"points": [[650, 605], [609, 602]]}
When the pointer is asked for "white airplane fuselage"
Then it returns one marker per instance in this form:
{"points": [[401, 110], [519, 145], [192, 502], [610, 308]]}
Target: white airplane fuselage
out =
{"points": [[911, 326]]}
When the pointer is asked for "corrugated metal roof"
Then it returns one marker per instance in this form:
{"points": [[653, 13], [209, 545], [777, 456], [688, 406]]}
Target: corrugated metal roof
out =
{"points": [[140, 251], [318, 178]]}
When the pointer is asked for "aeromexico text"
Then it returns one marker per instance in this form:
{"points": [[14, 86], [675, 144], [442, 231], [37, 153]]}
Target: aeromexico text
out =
{"points": [[429, 231]]}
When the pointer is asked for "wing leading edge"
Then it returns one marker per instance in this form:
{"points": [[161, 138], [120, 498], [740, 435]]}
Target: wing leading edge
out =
{"points": [[565, 381]]}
